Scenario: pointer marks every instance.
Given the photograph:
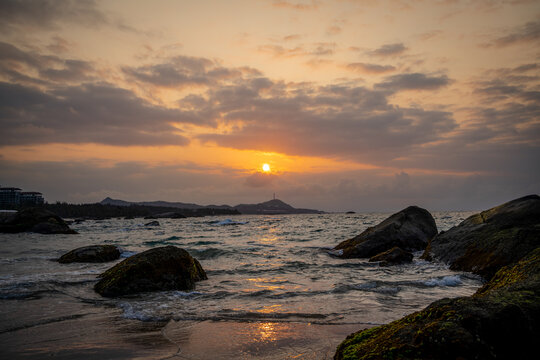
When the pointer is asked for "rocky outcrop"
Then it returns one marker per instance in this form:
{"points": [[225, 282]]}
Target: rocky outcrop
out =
{"points": [[36, 220], [409, 229], [502, 320], [91, 254], [485, 242], [163, 268], [152, 223], [394, 256], [167, 215]]}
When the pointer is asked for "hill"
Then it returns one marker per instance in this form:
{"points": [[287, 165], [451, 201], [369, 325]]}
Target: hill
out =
{"points": [[274, 206]]}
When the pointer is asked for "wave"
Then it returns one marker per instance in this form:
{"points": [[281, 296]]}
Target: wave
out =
{"points": [[451, 280], [209, 253], [199, 243], [227, 222], [228, 314], [124, 254], [159, 242]]}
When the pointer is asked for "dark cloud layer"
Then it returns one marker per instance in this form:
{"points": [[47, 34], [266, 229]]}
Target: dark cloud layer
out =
{"points": [[414, 81], [528, 33], [90, 113], [370, 68], [15, 64], [47, 14], [389, 50]]}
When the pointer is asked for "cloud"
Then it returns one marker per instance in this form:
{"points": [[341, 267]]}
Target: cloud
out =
{"points": [[47, 14], [14, 64], [292, 37], [366, 68], [258, 180], [413, 81], [296, 5], [179, 71], [89, 113], [334, 30], [389, 50], [528, 33], [59, 45], [311, 50], [339, 120]]}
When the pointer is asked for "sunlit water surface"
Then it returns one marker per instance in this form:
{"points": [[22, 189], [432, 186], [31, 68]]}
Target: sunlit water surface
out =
{"points": [[261, 269]]}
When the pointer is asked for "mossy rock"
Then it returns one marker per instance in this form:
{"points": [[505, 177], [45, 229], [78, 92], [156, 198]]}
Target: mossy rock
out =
{"points": [[502, 320], [158, 269], [409, 229], [485, 242], [394, 256], [91, 254]]}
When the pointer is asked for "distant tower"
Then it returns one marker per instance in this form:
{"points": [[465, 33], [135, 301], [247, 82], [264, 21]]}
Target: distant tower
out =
{"points": [[274, 196]]}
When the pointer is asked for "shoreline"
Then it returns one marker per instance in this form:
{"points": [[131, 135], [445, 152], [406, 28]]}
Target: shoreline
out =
{"points": [[85, 331]]}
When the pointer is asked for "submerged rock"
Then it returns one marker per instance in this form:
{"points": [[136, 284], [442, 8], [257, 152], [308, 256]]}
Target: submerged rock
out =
{"points": [[409, 229], [502, 320], [163, 268], [36, 220], [91, 254], [485, 242], [394, 256]]}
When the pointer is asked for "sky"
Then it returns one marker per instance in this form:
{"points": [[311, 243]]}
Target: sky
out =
{"points": [[358, 105]]}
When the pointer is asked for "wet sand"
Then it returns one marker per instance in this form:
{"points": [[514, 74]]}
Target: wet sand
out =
{"points": [[63, 329]]}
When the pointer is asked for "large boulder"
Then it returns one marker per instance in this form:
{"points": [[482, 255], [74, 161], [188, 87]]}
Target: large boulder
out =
{"points": [[502, 320], [394, 256], [91, 254], [485, 242], [163, 268], [36, 220], [409, 229]]}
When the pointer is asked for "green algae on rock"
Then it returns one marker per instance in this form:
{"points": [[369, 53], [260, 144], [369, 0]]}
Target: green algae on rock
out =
{"points": [[409, 229], [502, 320], [158, 269], [394, 256], [485, 242], [91, 254]]}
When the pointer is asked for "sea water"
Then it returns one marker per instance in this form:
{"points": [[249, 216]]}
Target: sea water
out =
{"points": [[267, 269]]}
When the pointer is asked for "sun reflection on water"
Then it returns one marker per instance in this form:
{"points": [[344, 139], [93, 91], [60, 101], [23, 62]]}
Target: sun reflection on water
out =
{"points": [[267, 331]]}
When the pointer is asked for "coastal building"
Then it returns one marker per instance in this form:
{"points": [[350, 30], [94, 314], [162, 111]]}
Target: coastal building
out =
{"points": [[11, 197], [31, 198]]}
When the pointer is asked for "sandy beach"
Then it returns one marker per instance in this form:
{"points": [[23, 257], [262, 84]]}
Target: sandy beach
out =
{"points": [[83, 331]]}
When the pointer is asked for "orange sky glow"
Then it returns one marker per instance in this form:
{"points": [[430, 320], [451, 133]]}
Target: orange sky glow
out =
{"points": [[362, 105]]}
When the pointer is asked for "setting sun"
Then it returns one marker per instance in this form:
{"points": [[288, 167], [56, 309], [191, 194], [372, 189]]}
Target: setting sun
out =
{"points": [[266, 168]]}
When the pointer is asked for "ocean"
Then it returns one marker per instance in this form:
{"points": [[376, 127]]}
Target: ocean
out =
{"points": [[273, 290]]}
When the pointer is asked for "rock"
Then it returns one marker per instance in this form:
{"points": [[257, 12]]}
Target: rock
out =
{"points": [[502, 320], [485, 242], [409, 229], [394, 256], [91, 254], [167, 215], [158, 269], [152, 223], [36, 220]]}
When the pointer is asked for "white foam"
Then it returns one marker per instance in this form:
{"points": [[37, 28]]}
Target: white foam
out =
{"points": [[126, 254], [336, 252], [452, 280], [230, 222]]}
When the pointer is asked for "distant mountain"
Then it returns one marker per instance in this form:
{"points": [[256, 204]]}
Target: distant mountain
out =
{"points": [[269, 207], [273, 207], [179, 205]]}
